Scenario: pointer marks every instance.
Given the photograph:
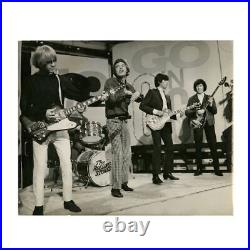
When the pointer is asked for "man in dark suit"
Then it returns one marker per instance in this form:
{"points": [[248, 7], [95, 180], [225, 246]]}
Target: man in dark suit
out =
{"points": [[208, 109], [156, 102]]}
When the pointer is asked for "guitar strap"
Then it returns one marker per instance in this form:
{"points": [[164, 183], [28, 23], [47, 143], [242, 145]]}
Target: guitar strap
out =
{"points": [[59, 89]]}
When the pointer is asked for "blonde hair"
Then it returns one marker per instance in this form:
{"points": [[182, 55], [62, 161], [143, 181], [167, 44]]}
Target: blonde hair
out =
{"points": [[42, 56]]}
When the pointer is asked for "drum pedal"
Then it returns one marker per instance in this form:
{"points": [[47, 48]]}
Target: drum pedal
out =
{"points": [[87, 184]]}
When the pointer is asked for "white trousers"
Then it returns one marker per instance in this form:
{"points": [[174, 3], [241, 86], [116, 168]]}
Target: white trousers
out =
{"points": [[61, 142]]}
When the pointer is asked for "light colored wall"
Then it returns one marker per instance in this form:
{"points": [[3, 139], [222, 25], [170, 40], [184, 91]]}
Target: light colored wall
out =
{"points": [[184, 62]]}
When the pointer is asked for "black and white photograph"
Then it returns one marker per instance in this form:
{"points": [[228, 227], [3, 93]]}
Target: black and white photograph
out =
{"points": [[126, 128], [124, 125]]}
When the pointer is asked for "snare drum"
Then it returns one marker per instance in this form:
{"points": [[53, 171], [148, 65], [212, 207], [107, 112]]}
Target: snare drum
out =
{"points": [[96, 165], [91, 132]]}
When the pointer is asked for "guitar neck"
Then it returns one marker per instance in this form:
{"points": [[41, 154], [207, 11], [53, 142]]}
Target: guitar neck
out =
{"points": [[69, 111], [207, 103], [175, 112]]}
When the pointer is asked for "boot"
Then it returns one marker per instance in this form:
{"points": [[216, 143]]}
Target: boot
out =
{"points": [[217, 171], [38, 210], [198, 171], [125, 187], [71, 206], [116, 193], [156, 180], [169, 176]]}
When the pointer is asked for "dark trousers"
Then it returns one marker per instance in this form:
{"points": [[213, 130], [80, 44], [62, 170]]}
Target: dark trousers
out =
{"points": [[211, 139], [166, 136]]}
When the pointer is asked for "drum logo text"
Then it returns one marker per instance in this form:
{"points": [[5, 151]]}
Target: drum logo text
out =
{"points": [[101, 167]]}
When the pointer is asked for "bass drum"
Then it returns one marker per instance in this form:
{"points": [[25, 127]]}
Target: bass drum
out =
{"points": [[96, 166]]}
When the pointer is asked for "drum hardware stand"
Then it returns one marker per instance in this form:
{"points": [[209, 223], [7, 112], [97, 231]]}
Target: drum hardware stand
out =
{"points": [[85, 180]]}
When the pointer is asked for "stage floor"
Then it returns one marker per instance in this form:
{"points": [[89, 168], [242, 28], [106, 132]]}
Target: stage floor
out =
{"points": [[207, 194]]}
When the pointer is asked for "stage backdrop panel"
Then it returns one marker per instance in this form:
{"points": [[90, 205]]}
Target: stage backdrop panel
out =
{"points": [[183, 62]]}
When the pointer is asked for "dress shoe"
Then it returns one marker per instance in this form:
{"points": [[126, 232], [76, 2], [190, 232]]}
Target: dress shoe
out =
{"points": [[125, 187], [198, 172], [71, 206], [116, 193], [157, 180], [170, 176], [218, 173], [38, 210]]}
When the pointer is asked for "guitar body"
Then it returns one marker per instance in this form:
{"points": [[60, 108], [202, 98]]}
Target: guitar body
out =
{"points": [[40, 130], [37, 130], [156, 122], [199, 121], [64, 124]]}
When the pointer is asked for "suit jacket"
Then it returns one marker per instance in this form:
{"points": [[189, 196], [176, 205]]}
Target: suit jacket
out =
{"points": [[152, 101], [210, 111]]}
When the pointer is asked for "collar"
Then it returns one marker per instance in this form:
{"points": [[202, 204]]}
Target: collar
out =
{"points": [[45, 73], [201, 95], [161, 90]]}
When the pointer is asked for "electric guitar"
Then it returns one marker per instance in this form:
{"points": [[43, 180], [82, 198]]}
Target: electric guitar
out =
{"points": [[157, 122], [200, 120], [39, 130]]}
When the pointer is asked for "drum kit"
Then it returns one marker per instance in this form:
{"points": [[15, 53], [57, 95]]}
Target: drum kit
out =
{"points": [[92, 163]]}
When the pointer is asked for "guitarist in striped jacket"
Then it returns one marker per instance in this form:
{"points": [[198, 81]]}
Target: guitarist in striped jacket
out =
{"points": [[41, 91], [155, 102]]}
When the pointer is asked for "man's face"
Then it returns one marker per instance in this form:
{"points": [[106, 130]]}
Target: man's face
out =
{"points": [[50, 66], [200, 88], [164, 84], [121, 69]]}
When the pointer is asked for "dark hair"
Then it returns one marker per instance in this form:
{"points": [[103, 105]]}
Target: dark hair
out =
{"points": [[159, 78], [200, 81], [123, 61]]}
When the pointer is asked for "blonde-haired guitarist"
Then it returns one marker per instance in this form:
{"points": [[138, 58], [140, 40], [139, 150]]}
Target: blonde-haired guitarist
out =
{"points": [[41, 91]]}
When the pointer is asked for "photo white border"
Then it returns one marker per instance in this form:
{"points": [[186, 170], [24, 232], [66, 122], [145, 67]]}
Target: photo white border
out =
{"points": [[124, 21]]}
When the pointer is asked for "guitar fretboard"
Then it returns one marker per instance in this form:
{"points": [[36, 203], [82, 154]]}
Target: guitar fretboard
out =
{"points": [[181, 110], [69, 111]]}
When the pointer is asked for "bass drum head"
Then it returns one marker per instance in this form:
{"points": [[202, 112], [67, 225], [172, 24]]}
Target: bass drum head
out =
{"points": [[98, 166]]}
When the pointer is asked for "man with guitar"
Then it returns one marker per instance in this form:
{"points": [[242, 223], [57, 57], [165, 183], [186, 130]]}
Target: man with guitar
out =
{"points": [[156, 102], [116, 110], [203, 119], [41, 92]]}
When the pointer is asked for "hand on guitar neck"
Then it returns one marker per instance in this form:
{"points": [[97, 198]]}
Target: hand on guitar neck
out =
{"points": [[210, 101], [158, 112]]}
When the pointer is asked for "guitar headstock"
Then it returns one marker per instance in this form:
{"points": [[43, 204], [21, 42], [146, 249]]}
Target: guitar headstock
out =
{"points": [[222, 81]]}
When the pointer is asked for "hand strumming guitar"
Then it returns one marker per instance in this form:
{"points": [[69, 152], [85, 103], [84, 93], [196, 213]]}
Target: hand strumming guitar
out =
{"points": [[158, 112], [200, 111], [52, 116]]}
